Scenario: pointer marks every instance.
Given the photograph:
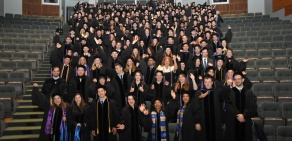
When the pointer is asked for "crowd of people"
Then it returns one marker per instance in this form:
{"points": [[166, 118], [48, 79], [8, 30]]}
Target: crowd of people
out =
{"points": [[118, 58]]}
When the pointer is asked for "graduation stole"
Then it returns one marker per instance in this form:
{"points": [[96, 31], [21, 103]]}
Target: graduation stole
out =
{"points": [[67, 73], [108, 116], [179, 122], [162, 126], [63, 125]]}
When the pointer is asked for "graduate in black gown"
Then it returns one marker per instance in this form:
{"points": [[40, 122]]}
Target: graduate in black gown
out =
{"points": [[188, 119], [121, 82], [240, 108], [211, 110], [103, 117], [55, 113], [77, 120], [55, 84], [79, 83], [160, 89], [67, 71], [131, 120], [139, 88]]}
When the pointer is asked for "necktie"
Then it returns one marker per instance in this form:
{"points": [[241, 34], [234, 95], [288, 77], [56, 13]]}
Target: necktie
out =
{"points": [[205, 63]]}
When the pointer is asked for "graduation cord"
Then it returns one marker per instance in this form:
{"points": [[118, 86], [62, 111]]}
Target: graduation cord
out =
{"points": [[66, 72], [108, 116]]}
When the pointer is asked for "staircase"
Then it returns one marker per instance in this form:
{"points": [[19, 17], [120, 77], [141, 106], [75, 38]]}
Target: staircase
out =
{"points": [[27, 120]]}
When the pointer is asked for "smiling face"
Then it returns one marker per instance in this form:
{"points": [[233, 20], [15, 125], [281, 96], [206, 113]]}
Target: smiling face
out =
{"points": [[131, 100], [101, 92], [157, 105], [78, 99], [186, 98], [57, 100]]}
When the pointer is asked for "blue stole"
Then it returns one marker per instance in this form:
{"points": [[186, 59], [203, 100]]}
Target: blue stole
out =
{"points": [[77, 137], [162, 126]]}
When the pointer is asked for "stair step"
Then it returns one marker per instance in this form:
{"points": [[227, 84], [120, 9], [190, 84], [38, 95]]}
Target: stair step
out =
{"points": [[45, 68], [27, 108], [25, 122], [18, 137], [22, 130], [25, 102], [43, 75], [39, 82], [40, 78], [27, 96], [27, 115]]}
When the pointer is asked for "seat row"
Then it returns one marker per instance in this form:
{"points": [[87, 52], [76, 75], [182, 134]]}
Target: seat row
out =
{"points": [[18, 30], [261, 45], [270, 76], [22, 48], [24, 41], [20, 16], [8, 94], [27, 35], [262, 54], [255, 22], [261, 33], [20, 25], [16, 78], [256, 28], [266, 38]]}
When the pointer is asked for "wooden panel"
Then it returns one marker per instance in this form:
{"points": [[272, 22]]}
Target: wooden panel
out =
{"points": [[288, 10], [234, 7], [35, 7], [277, 5]]}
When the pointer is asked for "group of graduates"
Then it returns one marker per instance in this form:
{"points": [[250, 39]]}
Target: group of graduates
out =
{"points": [[118, 58]]}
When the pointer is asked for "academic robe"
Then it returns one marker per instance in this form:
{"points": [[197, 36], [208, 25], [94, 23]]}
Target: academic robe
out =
{"points": [[92, 92], [42, 102], [73, 119], [67, 73], [122, 88], [240, 102], [191, 117], [161, 91], [149, 75], [75, 85], [97, 72], [106, 116], [211, 111], [141, 96], [54, 86], [132, 120]]}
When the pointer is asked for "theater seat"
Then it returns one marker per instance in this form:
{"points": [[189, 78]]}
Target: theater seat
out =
{"points": [[172, 130], [17, 79], [284, 133], [7, 93], [282, 91], [284, 75], [280, 64], [267, 76], [270, 132], [287, 112], [271, 113]]}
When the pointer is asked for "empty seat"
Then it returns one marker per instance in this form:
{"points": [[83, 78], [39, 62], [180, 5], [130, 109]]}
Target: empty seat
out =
{"points": [[284, 133], [288, 37], [263, 46], [276, 28], [34, 56], [7, 93], [278, 38], [251, 54], [17, 79], [172, 130], [5, 56], [287, 112], [271, 113], [284, 75], [251, 33], [263, 33], [24, 48], [273, 19], [2, 115], [265, 54], [245, 28], [11, 48], [8, 66], [287, 45], [253, 75], [240, 34], [280, 64], [276, 45], [267, 76], [19, 56], [265, 38], [279, 54], [282, 91], [263, 64], [237, 46], [250, 64], [263, 92], [257, 23], [8, 15], [270, 132], [250, 46], [4, 77], [276, 22], [238, 54]]}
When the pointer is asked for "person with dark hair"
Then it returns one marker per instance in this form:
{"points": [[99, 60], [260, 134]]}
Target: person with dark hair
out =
{"points": [[130, 121], [67, 72], [79, 83], [54, 124], [240, 108], [211, 110], [103, 117], [188, 119], [121, 81], [77, 121], [139, 88], [55, 84], [150, 71]]}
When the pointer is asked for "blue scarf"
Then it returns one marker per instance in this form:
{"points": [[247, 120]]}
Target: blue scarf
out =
{"points": [[162, 126], [64, 133], [180, 118], [77, 137]]}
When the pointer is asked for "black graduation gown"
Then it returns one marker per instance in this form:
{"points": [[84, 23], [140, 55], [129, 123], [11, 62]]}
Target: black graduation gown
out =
{"points": [[42, 102], [121, 89], [76, 86], [67, 73], [161, 91], [211, 111], [54, 86], [75, 118], [132, 120], [243, 102], [141, 96], [149, 75], [92, 92], [191, 117], [103, 114], [97, 72]]}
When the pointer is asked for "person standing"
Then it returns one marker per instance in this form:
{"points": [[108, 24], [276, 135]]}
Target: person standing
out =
{"points": [[240, 108]]}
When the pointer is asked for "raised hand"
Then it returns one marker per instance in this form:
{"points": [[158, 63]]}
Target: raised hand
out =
{"points": [[173, 94]]}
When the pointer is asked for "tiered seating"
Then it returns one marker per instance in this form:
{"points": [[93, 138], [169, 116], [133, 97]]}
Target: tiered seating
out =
{"points": [[266, 42], [24, 41]]}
